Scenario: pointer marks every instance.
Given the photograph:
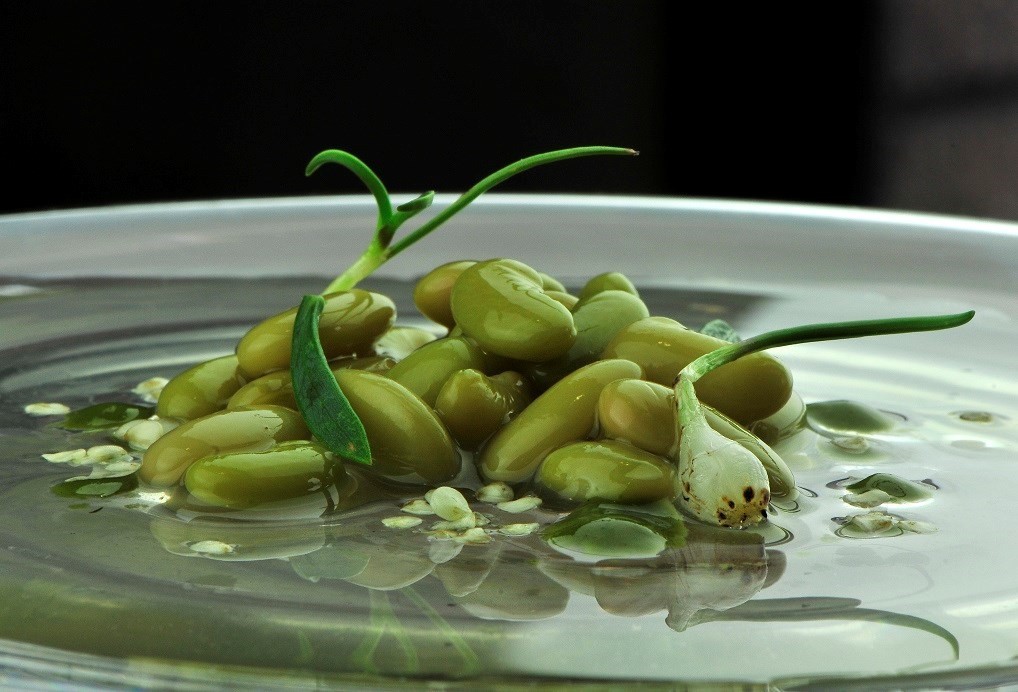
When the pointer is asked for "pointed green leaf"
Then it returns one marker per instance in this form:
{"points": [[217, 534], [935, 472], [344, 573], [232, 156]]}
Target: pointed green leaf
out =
{"points": [[325, 408], [107, 415], [417, 204]]}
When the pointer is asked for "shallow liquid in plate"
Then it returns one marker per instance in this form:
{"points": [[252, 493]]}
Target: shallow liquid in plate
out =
{"points": [[339, 593]]}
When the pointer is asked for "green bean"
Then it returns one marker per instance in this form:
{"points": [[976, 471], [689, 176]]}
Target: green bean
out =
{"points": [[276, 388], [611, 281], [200, 390], [502, 305], [563, 414], [641, 413], [431, 293], [746, 390], [251, 430], [349, 325], [607, 470], [425, 370], [474, 406]]}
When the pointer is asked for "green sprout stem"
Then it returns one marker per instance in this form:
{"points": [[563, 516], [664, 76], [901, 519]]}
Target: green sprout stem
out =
{"points": [[829, 331], [381, 249]]}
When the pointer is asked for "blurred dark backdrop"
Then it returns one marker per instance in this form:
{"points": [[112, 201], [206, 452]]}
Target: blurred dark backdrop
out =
{"points": [[103, 103]]}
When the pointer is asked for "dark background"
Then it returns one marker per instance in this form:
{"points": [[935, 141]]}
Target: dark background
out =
{"points": [[841, 103]]}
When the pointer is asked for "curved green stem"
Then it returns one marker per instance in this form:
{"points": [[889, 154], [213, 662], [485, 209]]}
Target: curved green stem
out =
{"points": [[828, 331], [361, 170], [499, 177]]}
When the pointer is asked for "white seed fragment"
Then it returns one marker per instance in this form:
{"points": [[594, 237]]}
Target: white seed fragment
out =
{"points": [[442, 535], [870, 498], [518, 529], [420, 507], [115, 470], [522, 504], [855, 444], [150, 389], [212, 548], [872, 522], [475, 536], [481, 519], [402, 522], [916, 526], [462, 524], [450, 504], [494, 493], [440, 552], [46, 409], [140, 434], [108, 454], [71, 456]]}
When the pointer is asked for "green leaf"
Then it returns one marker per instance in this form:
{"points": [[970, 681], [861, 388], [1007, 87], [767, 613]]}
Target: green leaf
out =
{"points": [[417, 204], [102, 416], [901, 489], [325, 408]]}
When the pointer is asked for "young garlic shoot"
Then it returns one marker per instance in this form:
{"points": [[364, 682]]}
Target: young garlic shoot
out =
{"points": [[322, 404], [723, 478]]}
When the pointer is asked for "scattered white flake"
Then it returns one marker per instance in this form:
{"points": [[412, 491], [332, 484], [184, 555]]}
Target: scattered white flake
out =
{"points": [[870, 498], [462, 524], [494, 493], [140, 434], [46, 409], [150, 389], [476, 535], [856, 444], [523, 504], [519, 529], [872, 522], [481, 519], [212, 548], [108, 454], [443, 535], [402, 522], [916, 526], [420, 507], [115, 470], [450, 504], [443, 551], [71, 456]]}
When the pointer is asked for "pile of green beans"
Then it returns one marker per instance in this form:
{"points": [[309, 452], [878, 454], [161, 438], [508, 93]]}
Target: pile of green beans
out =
{"points": [[569, 394]]}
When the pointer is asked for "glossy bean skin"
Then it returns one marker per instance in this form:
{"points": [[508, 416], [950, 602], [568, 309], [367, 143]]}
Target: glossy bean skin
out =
{"points": [[349, 324], [607, 470], [276, 388], [432, 291], [400, 342], [641, 413], [747, 390], [550, 283], [563, 414], [200, 390], [251, 430], [568, 300], [408, 441], [610, 281], [474, 406], [425, 370], [598, 318], [240, 480], [501, 304]]}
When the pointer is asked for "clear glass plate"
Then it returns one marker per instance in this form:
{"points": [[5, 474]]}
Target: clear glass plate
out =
{"points": [[111, 593]]}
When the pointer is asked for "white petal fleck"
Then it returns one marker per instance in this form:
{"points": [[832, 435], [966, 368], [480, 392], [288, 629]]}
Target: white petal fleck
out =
{"points": [[420, 507], [522, 504], [402, 522], [108, 454], [870, 498], [75, 457], [481, 519], [150, 389], [212, 548], [46, 409], [140, 434], [494, 493], [450, 504], [519, 529]]}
